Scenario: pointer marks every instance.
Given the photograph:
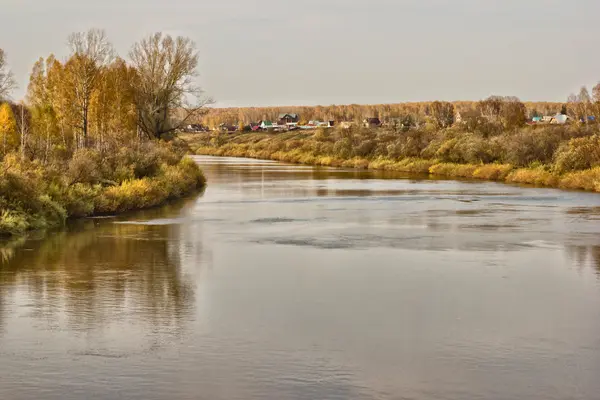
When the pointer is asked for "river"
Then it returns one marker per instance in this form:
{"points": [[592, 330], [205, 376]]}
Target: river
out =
{"points": [[292, 282]]}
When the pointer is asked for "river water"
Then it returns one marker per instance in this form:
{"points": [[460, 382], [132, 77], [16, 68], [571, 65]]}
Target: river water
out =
{"points": [[291, 282]]}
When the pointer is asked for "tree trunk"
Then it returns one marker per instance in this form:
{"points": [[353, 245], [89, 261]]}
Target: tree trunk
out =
{"points": [[85, 127]]}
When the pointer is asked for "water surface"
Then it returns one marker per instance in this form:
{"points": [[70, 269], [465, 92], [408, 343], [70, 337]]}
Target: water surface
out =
{"points": [[291, 282]]}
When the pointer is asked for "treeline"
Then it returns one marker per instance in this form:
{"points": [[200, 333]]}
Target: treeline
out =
{"points": [[418, 113], [87, 138], [578, 106]]}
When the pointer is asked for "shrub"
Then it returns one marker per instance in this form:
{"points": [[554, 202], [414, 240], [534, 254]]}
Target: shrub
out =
{"points": [[530, 145], [343, 148], [83, 167], [453, 170], [578, 154], [493, 172], [533, 176], [13, 222], [582, 180]]}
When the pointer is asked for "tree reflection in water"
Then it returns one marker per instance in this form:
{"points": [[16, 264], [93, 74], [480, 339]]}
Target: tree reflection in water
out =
{"points": [[585, 257], [101, 273]]}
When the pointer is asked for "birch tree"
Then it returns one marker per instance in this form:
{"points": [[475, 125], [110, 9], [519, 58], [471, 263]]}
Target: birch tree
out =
{"points": [[90, 54], [442, 113]]}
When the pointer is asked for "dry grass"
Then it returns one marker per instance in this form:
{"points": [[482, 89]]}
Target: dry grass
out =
{"points": [[582, 180], [533, 176]]}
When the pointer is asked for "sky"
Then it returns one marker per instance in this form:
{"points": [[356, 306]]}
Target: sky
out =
{"points": [[310, 52]]}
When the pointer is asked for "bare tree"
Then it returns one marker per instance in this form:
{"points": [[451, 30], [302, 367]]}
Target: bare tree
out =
{"points": [[164, 85], [508, 111], [90, 53], [442, 113], [7, 81]]}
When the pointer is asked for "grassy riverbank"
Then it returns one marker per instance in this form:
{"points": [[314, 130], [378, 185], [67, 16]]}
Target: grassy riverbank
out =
{"points": [[560, 157], [40, 196]]}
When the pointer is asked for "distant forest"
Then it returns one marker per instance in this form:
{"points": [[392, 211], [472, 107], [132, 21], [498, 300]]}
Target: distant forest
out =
{"points": [[419, 112], [577, 106]]}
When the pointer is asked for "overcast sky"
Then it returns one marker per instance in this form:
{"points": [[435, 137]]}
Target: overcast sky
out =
{"points": [[286, 52]]}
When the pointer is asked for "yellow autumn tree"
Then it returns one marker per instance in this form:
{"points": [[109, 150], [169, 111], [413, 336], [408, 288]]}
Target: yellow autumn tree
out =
{"points": [[41, 99], [9, 138], [112, 109]]}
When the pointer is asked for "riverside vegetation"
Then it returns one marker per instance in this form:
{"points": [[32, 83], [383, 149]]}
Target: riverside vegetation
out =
{"points": [[565, 156], [490, 140], [94, 134]]}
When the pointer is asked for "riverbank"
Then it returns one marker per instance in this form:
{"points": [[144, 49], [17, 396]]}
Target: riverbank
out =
{"points": [[371, 149], [36, 196]]}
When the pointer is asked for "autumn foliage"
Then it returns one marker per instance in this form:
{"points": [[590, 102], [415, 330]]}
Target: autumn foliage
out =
{"points": [[78, 146]]}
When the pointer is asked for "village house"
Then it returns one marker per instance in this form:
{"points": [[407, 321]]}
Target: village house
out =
{"points": [[227, 128], [194, 128], [320, 124], [546, 119], [265, 125], [560, 119], [285, 119], [372, 122]]}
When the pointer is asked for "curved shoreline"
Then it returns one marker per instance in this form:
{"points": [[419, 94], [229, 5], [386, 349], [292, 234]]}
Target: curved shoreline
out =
{"points": [[174, 182], [586, 180]]}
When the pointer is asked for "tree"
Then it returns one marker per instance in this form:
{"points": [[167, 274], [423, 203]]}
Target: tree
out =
{"points": [[584, 95], [596, 93], [46, 98], [112, 110], [7, 81], [491, 108], [442, 113], [580, 105], [8, 129], [165, 68], [508, 111], [514, 113], [90, 54], [23, 120]]}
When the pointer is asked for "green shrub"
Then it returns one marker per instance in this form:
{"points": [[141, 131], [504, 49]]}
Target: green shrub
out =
{"points": [[13, 222]]}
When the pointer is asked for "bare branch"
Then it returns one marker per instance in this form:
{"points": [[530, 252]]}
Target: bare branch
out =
{"points": [[165, 68], [7, 80]]}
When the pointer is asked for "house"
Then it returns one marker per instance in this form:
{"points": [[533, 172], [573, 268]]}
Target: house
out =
{"points": [[536, 119], [590, 118], [195, 128], [560, 119], [546, 119], [265, 125], [285, 118], [347, 124], [372, 122], [227, 128]]}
